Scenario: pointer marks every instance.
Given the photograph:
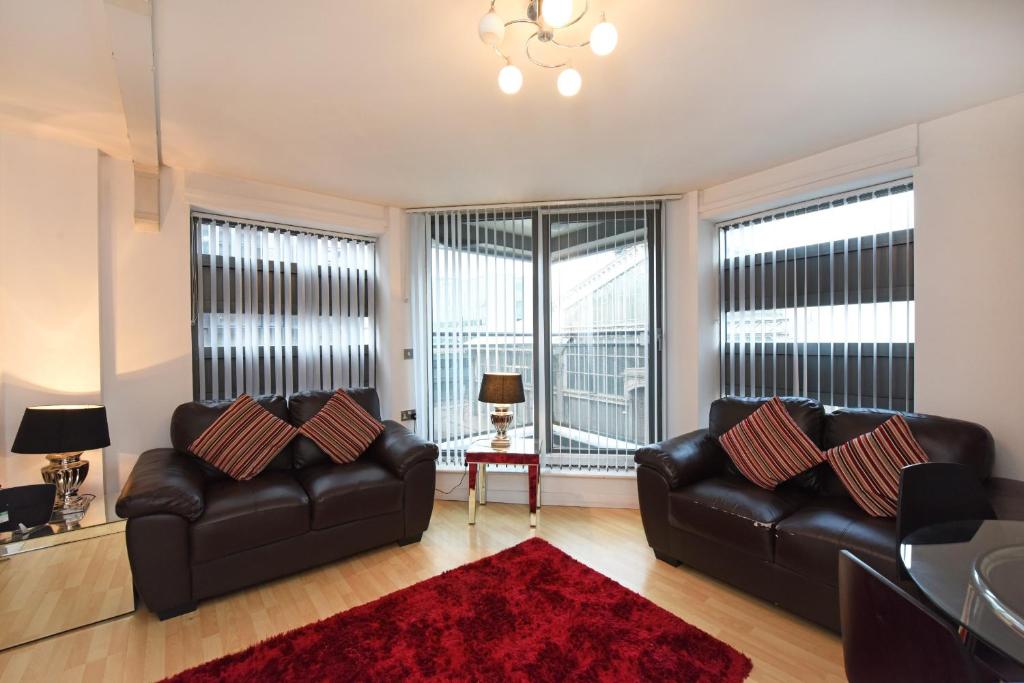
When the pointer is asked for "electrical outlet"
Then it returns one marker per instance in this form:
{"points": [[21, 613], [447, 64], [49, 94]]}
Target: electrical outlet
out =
{"points": [[408, 415], [407, 354]]}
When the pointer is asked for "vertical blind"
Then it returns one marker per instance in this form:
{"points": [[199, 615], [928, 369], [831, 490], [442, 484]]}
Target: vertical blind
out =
{"points": [[562, 294], [817, 300], [601, 312], [479, 282], [277, 309]]}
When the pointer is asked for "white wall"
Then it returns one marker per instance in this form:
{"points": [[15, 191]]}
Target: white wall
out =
{"points": [[394, 316], [145, 309], [690, 346], [147, 340], [969, 261], [968, 173], [49, 287], [92, 309]]}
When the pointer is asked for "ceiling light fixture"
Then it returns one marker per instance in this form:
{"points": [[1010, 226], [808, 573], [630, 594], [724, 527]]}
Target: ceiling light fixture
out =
{"points": [[510, 79], [546, 17], [569, 82]]}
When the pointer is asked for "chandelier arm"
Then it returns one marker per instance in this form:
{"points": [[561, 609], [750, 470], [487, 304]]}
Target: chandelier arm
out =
{"points": [[521, 21], [564, 45], [500, 53], [541, 64]]}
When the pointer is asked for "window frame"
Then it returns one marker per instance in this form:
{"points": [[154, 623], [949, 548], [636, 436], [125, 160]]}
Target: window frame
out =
{"points": [[540, 235], [366, 300], [840, 266], [616, 458]]}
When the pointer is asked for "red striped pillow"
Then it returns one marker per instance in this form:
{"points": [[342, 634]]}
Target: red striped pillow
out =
{"points": [[342, 428], [768, 447], [243, 439], [869, 465]]}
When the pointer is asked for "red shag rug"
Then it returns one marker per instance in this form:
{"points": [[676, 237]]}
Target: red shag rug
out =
{"points": [[529, 613]]}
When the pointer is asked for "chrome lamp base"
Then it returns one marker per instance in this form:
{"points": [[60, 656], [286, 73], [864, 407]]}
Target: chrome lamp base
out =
{"points": [[501, 418], [67, 471]]}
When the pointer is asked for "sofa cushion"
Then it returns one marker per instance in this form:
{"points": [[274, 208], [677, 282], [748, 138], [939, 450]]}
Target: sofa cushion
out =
{"points": [[808, 414], [943, 439], [768, 446], [808, 541], [731, 510], [243, 439], [191, 419], [304, 405], [869, 465], [728, 412], [241, 515], [346, 493], [342, 429]]}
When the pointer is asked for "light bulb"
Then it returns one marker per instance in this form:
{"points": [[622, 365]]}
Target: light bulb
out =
{"points": [[569, 82], [556, 12], [603, 38], [492, 28], [510, 79]]}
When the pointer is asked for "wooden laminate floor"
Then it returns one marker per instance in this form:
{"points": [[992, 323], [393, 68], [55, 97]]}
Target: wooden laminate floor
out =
{"points": [[138, 647]]}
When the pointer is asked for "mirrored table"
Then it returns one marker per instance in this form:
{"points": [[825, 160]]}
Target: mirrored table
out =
{"points": [[973, 571], [62, 576]]}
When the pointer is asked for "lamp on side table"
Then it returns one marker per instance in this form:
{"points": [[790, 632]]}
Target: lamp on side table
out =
{"points": [[62, 433], [502, 389]]}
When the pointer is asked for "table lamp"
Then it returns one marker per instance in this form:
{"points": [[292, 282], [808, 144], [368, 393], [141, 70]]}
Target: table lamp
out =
{"points": [[502, 389], [62, 433]]}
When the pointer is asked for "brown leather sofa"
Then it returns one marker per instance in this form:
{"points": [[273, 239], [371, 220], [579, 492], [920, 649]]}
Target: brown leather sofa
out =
{"points": [[782, 545], [194, 533]]}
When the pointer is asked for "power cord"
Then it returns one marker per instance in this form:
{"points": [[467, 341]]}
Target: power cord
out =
{"points": [[445, 493]]}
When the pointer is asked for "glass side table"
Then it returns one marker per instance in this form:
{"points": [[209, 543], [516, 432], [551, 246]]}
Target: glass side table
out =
{"points": [[62, 576], [480, 454]]}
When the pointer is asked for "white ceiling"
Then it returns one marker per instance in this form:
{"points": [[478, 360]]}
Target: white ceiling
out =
{"points": [[396, 101], [56, 74]]}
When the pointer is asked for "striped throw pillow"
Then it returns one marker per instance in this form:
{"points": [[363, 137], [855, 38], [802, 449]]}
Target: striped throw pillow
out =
{"points": [[768, 447], [342, 428], [243, 440], [869, 465]]}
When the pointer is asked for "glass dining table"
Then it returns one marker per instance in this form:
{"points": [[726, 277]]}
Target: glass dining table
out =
{"points": [[973, 571]]}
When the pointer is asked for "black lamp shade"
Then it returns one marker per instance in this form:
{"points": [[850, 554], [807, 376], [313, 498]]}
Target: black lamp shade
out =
{"points": [[502, 387], [62, 429]]}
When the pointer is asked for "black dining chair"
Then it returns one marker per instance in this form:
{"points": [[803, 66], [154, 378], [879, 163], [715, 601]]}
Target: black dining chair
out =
{"points": [[937, 492], [890, 636]]}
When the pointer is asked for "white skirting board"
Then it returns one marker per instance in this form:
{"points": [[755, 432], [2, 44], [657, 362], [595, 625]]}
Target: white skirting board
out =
{"points": [[574, 489]]}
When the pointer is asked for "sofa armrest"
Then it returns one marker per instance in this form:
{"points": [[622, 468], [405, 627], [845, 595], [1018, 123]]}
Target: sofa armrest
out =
{"points": [[684, 459], [163, 481], [399, 450]]}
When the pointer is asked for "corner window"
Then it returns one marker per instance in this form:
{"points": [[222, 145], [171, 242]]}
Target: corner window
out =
{"points": [[817, 300], [278, 309]]}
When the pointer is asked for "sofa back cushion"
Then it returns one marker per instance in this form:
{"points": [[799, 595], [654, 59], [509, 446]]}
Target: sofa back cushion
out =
{"points": [[244, 440], [808, 414], [192, 419], [728, 412], [870, 465], [943, 439], [769, 448], [304, 405]]}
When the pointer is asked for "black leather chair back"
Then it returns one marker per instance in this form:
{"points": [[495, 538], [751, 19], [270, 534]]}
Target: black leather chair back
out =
{"points": [[890, 636], [937, 492]]}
